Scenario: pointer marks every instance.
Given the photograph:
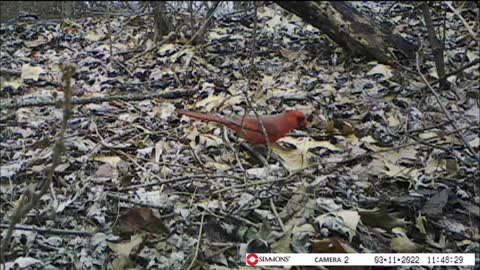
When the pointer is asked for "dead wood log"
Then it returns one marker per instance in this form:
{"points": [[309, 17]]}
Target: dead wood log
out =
{"points": [[350, 29]]}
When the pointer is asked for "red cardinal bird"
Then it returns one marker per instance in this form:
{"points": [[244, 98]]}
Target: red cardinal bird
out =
{"points": [[276, 126]]}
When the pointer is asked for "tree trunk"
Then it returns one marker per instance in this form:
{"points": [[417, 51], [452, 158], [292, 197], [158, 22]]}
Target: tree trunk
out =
{"points": [[351, 30], [67, 9], [437, 46], [162, 24]]}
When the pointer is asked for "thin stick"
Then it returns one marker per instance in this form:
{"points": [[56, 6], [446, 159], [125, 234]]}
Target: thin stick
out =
{"points": [[447, 115], [469, 29], [279, 219], [31, 199], [47, 230], [178, 179], [78, 101], [249, 82], [471, 64], [199, 238]]}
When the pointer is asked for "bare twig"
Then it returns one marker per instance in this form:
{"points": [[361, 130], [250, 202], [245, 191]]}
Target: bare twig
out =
{"points": [[170, 164], [199, 239], [137, 202], [413, 131], [394, 3], [465, 23], [447, 115], [30, 200], [202, 27], [275, 212], [124, 67], [47, 230], [249, 83], [438, 147], [285, 179], [178, 179], [78, 101], [471, 64], [454, 232], [199, 35]]}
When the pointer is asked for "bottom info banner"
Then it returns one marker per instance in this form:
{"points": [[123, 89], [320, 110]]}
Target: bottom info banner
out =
{"points": [[327, 259]]}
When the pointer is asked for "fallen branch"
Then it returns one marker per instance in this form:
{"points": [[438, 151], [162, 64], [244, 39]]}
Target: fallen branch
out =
{"points": [[78, 101], [42, 230]]}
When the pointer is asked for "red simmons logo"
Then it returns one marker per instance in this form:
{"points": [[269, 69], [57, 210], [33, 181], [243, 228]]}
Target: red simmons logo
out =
{"points": [[252, 259]]}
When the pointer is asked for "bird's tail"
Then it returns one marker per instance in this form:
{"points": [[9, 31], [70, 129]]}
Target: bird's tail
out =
{"points": [[206, 117]]}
